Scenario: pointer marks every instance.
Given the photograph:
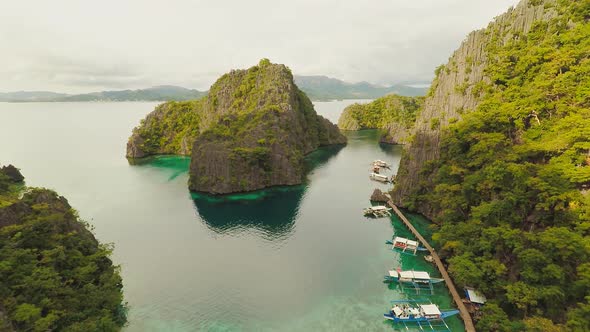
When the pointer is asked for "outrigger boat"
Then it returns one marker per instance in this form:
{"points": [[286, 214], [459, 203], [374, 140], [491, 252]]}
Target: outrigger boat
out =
{"points": [[405, 245], [417, 280], [381, 163], [407, 311], [412, 277], [379, 177], [378, 211]]}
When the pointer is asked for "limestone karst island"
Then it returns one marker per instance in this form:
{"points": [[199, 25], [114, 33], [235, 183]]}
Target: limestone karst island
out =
{"points": [[295, 166], [250, 132]]}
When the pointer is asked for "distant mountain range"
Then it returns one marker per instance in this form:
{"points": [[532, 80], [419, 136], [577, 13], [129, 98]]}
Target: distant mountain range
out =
{"points": [[157, 93], [316, 87], [326, 88]]}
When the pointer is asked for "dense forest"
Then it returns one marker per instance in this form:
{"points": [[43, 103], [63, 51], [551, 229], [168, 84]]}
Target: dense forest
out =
{"points": [[512, 183], [54, 275]]}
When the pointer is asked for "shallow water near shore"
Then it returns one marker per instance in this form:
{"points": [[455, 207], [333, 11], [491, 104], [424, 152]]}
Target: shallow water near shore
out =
{"points": [[300, 258]]}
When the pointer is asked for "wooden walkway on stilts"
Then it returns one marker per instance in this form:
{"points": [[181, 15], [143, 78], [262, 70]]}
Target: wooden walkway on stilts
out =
{"points": [[469, 327]]}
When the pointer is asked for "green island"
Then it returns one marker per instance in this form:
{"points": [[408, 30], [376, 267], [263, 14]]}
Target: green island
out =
{"points": [[394, 114], [54, 275], [499, 158], [250, 132]]}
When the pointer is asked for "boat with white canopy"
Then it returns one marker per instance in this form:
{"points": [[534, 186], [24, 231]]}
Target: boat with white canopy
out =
{"points": [[412, 277], [409, 311], [379, 177], [404, 245], [416, 280], [381, 163], [378, 211]]}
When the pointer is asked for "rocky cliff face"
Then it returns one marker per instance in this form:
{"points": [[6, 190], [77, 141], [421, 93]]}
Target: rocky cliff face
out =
{"points": [[457, 89], [393, 114], [251, 132]]}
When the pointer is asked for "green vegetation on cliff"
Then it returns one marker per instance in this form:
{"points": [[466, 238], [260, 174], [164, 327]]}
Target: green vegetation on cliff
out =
{"points": [[171, 128], [380, 113], [510, 189], [54, 275], [392, 113]]}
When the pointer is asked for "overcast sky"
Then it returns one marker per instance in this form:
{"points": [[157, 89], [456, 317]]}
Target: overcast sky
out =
{"points": [[81, 46]]}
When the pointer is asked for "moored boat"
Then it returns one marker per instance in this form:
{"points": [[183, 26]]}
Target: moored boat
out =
{"points": [[381, 163], [378, 211], [403, 311], [379, 177], [412, 277], [405, 245]]}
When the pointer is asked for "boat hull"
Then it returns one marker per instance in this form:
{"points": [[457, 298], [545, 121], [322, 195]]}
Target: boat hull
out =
{"points": [[396, 279], [443, 315]]}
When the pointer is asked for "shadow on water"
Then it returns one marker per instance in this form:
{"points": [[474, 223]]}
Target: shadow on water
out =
{"points": [[174, 165], [390, 148], [270, 213]]}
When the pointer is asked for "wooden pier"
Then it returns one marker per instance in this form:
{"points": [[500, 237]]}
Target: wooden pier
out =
{"points": [[469, 327]]}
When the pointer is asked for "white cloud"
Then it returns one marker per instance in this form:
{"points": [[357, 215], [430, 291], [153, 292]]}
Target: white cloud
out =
{"points": [[78, 46]]}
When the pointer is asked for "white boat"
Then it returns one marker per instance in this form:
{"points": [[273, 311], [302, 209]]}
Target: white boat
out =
{"points": [[409, 312], [377, 211], [380, 163], [379, 177], [422, 277], [404, 245]]}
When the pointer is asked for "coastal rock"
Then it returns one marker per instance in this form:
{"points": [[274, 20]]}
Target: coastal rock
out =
{"points": [[13, 173], [393, 114], [396, 133], [251, 132], [455, 91], [379, 196]]}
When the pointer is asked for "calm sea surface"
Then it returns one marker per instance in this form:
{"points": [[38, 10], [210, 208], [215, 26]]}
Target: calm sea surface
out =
{"points": [[300, 258]]}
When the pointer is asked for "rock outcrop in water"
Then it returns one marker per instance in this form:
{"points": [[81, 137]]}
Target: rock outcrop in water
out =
{"points": [[54, 274], [393, 114], [456, 90], [251, 132]]}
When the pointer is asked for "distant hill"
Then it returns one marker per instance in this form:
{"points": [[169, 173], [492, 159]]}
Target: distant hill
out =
{"points": [[157, 93], [316, 87], [30, 96], [326, 88]]}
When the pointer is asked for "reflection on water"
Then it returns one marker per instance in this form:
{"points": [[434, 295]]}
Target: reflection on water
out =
{"points": [[270, 213]]}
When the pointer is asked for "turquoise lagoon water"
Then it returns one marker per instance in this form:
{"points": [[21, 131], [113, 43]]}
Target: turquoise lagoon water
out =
{"points": [[299, 258]]}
